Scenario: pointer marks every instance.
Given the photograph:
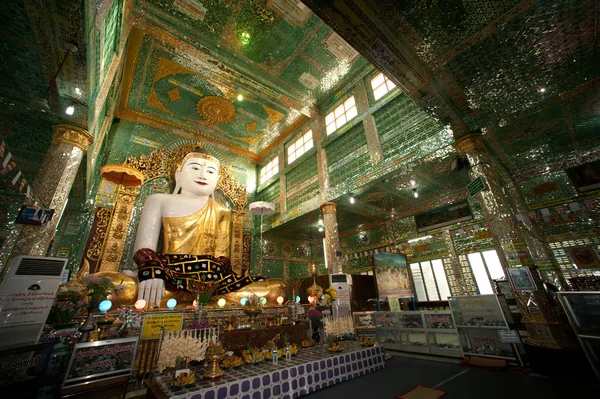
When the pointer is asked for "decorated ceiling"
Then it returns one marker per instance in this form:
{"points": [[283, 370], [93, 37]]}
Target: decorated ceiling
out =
{"points": [[526, 73], [236, 72]]}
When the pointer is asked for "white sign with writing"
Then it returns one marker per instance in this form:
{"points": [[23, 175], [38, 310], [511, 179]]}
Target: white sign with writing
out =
{"points": [[339, 48], [509, 336], [26, 301]]}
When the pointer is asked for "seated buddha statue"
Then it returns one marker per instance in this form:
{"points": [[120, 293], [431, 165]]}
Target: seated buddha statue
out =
{"points": [[196, 235]]}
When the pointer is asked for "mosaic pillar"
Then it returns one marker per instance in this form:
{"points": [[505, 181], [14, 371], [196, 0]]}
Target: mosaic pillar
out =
{"points": [[373, 143], [332, 239], [539, 314], [456, 276], [286, 269], [52, 186]]}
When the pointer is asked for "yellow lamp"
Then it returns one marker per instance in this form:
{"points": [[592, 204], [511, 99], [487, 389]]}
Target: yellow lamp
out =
{"points": [[280, 299], [221, 302]]}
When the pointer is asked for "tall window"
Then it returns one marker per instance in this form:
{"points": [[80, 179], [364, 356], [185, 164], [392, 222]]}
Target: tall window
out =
{"points": [[269, 170], [486, 267], [381, 85], [339, 116], [299, 147], [430, 280]]}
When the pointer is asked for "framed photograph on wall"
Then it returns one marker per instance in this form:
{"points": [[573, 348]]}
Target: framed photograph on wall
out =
{"points": [[521, 279], [391, 275]]}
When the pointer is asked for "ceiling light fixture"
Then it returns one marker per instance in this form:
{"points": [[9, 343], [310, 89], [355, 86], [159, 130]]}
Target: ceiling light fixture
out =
{"points": [[418, 239], [245, 39], [542, 89], [321, 229], [240, 97], [415, 193], [70, 110], [352, 200], [78, 91], [413, 182]]}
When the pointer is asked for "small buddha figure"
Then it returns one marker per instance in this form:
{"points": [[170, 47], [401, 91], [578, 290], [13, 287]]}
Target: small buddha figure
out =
{"points": [[196, 234]]}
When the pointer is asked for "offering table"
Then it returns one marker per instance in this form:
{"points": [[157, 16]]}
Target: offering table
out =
{"points": [[312, 369], [239, 340]]}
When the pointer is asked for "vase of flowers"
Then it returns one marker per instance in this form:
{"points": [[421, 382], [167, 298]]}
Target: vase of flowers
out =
{"points": [[315, 316], [96, 289], [327, 299], [203, 290], [64, 309]]}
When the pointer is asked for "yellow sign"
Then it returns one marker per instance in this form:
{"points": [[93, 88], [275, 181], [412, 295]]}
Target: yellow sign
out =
{"points": [[154, 322]]}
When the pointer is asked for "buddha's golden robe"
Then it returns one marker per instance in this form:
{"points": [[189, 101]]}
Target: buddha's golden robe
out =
{"points": [[195, 247], [206, 232]]}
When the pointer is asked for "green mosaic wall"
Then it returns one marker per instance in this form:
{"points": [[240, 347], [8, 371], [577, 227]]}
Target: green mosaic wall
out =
{"points": [[404, 128], [299, 270], [273, 268], [302, 182], [112, 25], [347, 159], [359, 265]]}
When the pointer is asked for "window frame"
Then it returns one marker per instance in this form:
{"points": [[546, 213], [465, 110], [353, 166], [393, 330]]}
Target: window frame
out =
{"points": [[435, 280], [302, 146], [485, 267], [268, 168], [340, 112], [385, 83]]}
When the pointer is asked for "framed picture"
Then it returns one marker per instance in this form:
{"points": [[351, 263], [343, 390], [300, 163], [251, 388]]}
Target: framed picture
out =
{"points": [[585, 177], [391, 275], [34, 215], [584, 257], [444, 216], [521, 279]]}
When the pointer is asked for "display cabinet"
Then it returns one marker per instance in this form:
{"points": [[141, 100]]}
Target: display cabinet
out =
{"points": [[583, 310], [479, 320], [364, 325], [421, 332]]}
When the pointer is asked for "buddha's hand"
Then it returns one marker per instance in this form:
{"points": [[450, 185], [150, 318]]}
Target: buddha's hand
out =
{"points": [[151, 274]]}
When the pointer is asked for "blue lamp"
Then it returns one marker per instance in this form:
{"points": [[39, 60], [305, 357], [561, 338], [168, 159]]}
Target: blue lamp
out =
{"points": [[263, 300], [243, 301], [297, 298], [105, 305], [171, 303]]}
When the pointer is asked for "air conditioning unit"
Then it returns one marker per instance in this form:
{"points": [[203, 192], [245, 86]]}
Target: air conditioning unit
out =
{"points": [[26, 296]]}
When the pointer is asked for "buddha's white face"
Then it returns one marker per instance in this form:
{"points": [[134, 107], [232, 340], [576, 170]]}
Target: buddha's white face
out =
{"points": [[198, 177]]}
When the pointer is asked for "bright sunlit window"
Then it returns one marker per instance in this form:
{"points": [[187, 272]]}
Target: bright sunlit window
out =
{"points": [[269, 170], [339, 116], [486, 267], [381, 85], [430, 280], [299, 147]]}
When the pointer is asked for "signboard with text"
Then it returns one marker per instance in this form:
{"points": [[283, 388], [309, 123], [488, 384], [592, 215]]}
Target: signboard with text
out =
{"points": [[475, 186], [154, 321], [477, 311], [101, 360]]}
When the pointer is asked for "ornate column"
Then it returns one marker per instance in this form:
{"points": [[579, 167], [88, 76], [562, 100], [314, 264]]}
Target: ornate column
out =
{"points": [[52, 186], [112, 250], [512, 242], [332, 239], [459, 275]]}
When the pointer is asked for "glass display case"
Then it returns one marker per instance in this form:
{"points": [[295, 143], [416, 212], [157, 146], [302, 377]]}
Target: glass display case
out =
{"points": [[411, 331], [479, 319], [444, 343], [414, 341], [583, 311]]}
